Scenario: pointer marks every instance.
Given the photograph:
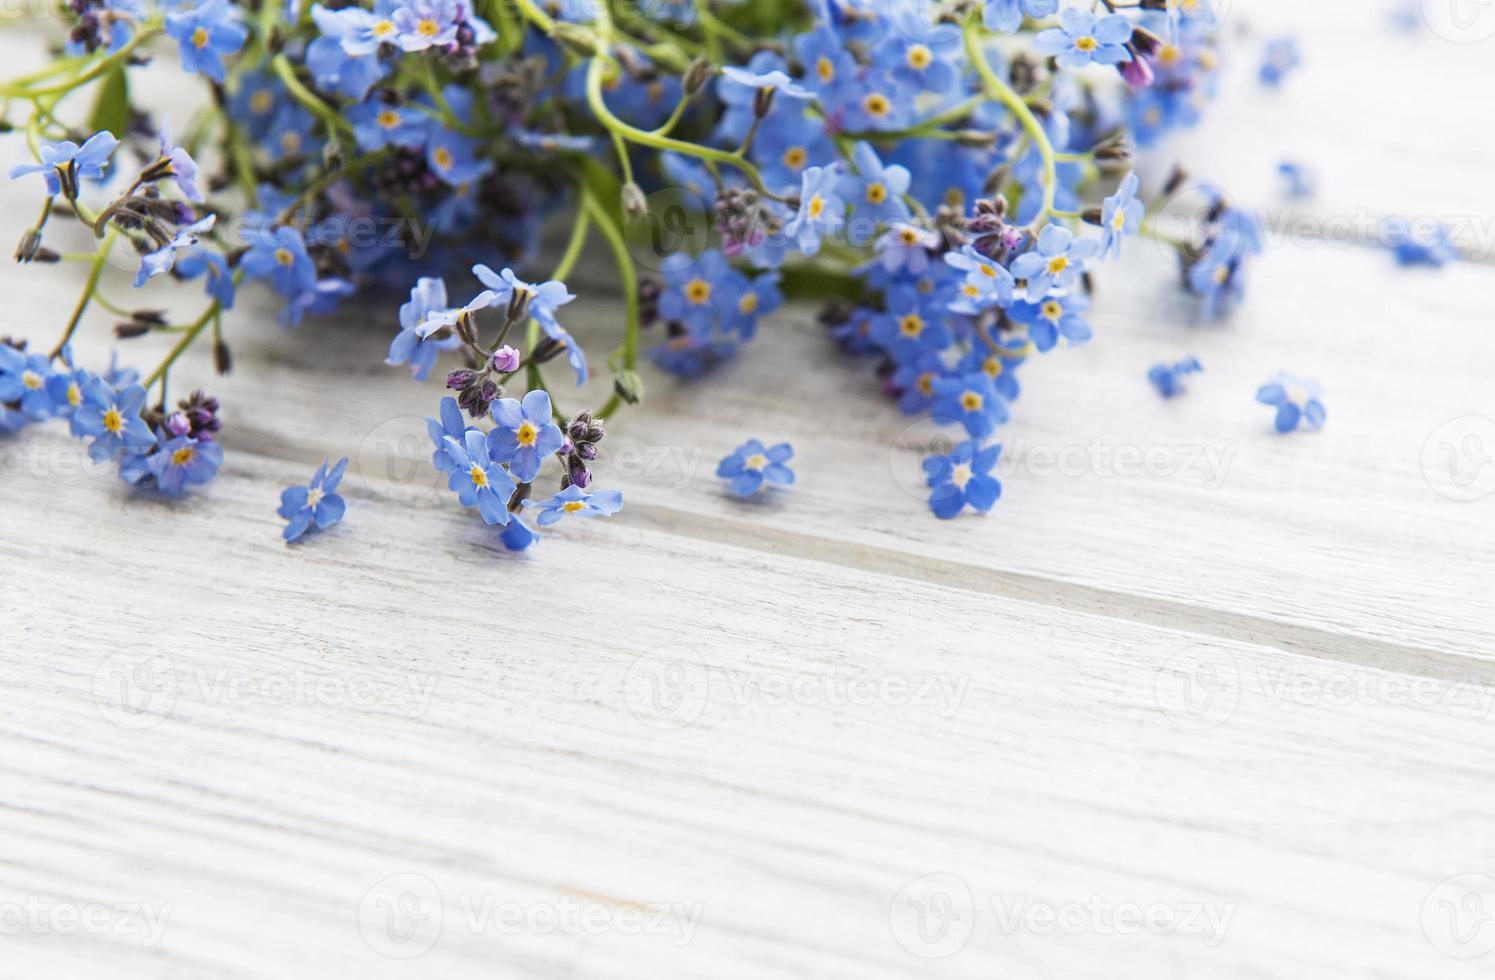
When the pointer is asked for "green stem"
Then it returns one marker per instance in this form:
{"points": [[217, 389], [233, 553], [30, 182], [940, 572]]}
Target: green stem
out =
{"points": [[1000, 91], [89, 285], [330, 118], [99, 68], [627, 280]]}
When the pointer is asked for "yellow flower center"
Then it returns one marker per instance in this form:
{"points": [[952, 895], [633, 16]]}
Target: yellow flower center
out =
{"points": [[290, 142], [825, 69], [1086, 43], [382, 28], [1118, 220], [970, 401], [925, 384], [748, 303], [876, 193], [1051, 310], [478, 475], [1221, 274], [698, 291], [911, 325], [919, 57], [427, 28], [908, 236], [200, 37], [261, 102], [794, 157], [283, 256], [388, 119], [443, 158], [572, 506], [527, 434], [114, 423], [74, 395], [1057, 264], [181, 457], [314, 496], [960, 474], [986, 270], [876, 104], [955, 197], [992, 366], [817, 205], [756, 461], [1168, 55], [32, 380], [970, 291]]}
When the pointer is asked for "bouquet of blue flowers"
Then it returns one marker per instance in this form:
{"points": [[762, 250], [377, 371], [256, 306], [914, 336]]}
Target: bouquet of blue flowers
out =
{"points": [[941, 176]]}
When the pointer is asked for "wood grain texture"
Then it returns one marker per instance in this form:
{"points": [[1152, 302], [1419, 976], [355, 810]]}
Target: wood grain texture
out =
{"points": [[1252, 683]]}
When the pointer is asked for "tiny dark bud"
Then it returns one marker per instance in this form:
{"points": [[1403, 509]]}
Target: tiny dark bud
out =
{"points": [[46, 255], [461, 378], [634, 203], [154, 318], [124, 331], [223, 361], [546, 349], [1175, 180], [518, 306], [1091, 216], [629, 386], [697, 75], [763, 101], [977, 138], [30, 243]]}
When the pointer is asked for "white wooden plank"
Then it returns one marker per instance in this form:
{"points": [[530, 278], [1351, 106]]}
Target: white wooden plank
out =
{"points": [[1070, 768]]}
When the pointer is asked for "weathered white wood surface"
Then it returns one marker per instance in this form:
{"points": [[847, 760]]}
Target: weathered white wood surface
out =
{"points": [[1253, 685]]}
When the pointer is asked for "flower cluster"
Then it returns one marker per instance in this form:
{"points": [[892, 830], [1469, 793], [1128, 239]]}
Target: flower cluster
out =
{"points": [[949, 173]]}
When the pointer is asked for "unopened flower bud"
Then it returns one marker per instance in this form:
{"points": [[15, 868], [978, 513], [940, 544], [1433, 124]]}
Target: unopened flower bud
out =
{"points": [[31, 241], [545, 350], [629, 386], [461, 378], [223, 361], [697, 75], [505, 360], [124, 331], [763, 101], [635, 205]]}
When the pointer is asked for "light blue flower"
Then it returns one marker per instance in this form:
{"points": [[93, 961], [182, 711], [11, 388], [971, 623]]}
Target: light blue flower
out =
{"points": [[544, 299], [962, 477], [478, 480], [986, 283], [316, 503], [183, 462], [205, 34], [1121, 215], [449, 424], [821, 209], [775, 80], [427, 297], [524, 435], [1056, 261], [751, 465], [1051, 318], [279, 254], [113, 419], [575, 501], [1007, 16], [1167, 378], [23, 378], [67, 159], [1298, 402], [875, 191], [1081, 39], [970, 399], [152, 264]]}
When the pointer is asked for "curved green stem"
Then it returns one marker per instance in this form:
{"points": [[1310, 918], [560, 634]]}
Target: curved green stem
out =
{"points": [[627, 280], [1000, 91], [330, 118], [103, 65], [89, 285]]}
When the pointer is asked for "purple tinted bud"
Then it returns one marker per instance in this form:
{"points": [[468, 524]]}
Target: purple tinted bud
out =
{"points": [[1137, 72], [460, 378], [178, 424], [1011, 238], [506, 360], [587, 451], [580, 476]]}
